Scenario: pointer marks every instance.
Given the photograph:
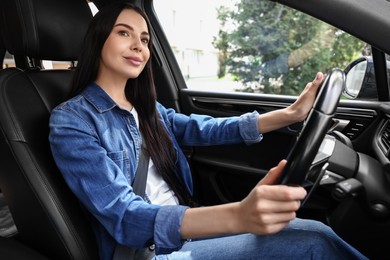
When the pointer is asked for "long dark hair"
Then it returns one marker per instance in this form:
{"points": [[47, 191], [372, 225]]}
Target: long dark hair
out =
{"points": [[140, 92]]}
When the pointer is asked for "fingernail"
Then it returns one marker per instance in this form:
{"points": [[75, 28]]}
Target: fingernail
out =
{"points": [[318, 76]]}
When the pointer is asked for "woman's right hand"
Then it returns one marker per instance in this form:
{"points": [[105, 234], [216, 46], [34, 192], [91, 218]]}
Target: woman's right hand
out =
{"points": [[269, 208]]}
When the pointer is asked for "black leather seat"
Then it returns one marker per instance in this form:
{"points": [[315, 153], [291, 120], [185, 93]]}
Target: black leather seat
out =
{"points": [[48, 217], [2, 51]]}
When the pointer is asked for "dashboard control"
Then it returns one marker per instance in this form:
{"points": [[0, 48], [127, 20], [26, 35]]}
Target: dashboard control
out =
{"points": [[347, 189]]}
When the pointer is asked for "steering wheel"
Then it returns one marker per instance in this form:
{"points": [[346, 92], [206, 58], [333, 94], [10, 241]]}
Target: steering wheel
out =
{"points": [[302, 154]]}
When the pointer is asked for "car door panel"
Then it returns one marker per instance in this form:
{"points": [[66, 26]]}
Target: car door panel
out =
{"points": [[218, 170], [228, 172]]}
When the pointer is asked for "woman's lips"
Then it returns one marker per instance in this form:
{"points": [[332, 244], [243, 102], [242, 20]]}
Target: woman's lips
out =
{"points": [[134, 60]]}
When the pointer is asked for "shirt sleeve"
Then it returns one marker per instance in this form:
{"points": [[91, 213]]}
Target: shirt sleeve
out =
{"points": [[171, 229], [206, 130], [104, 190]]}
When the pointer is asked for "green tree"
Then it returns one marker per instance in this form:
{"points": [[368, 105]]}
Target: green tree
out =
{"points": [[271, 48]]}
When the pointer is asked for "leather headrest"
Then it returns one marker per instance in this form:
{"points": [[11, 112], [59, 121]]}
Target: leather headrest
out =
{"points": [[45, 29]]}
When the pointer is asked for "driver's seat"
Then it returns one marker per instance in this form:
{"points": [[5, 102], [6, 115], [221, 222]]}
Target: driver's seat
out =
{"points": [[48, 217]]}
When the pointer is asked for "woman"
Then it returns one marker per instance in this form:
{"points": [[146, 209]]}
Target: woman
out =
{"points": [[96, 142]]}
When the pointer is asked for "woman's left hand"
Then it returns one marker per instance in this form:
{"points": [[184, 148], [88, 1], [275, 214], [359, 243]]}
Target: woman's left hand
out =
{"points": [[301, 107], [296, 112]]}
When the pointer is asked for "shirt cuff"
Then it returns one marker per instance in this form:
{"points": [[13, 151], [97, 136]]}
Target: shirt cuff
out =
{"points": [[167, 229], [249, 129]]}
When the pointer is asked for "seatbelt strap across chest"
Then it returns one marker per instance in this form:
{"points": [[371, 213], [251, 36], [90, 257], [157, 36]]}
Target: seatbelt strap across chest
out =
{"points": [[141, 174], [139, 185]]}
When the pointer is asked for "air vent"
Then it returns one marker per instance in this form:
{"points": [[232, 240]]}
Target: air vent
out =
{"points": [[385, 138]]}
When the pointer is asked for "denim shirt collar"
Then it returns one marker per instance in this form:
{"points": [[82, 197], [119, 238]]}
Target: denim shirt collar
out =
{"points": [[98, 98]]}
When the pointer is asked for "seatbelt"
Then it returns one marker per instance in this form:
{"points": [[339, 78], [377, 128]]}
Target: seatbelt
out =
{"points": [[139, 185], [141, 174]]}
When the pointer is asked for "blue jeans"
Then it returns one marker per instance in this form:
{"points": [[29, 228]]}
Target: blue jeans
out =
{"points": [[301, 239]]}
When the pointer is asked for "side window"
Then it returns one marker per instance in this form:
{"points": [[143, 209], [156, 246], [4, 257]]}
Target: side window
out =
{"points": [[252, 46]]}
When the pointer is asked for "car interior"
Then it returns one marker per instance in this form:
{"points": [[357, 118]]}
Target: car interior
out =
{"points": [[48, 216], [51, 223]]}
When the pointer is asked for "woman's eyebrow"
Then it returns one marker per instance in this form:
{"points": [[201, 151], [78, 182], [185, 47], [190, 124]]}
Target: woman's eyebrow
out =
{"points": [[129, 27]]}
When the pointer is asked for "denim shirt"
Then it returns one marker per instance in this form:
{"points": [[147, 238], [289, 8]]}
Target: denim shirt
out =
{"points": [[96, 146]]}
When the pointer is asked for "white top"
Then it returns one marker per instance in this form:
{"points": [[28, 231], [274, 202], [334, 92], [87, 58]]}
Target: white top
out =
{"points": [[157, 190]]}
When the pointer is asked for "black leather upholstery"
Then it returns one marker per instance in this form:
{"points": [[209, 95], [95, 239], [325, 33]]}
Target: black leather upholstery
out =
{"points": [[48, 217], [11, 249], [2, 51], [2, 47], [45, 29]]}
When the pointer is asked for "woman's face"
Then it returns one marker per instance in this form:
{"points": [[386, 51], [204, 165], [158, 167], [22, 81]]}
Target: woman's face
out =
{"points": [[125, 52]]}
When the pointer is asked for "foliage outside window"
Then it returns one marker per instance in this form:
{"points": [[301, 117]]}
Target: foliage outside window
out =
{"points": [[271, 48], [260, 46]]}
